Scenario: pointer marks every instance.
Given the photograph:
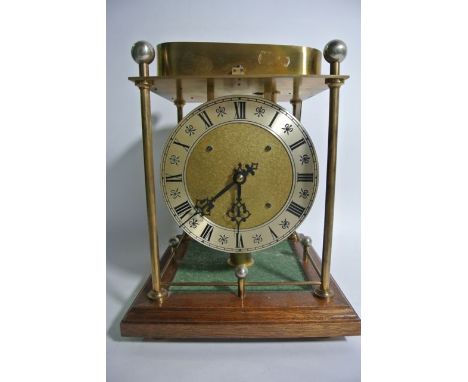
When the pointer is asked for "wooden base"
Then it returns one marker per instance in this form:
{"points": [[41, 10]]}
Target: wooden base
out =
{"points": [[273, 315]]}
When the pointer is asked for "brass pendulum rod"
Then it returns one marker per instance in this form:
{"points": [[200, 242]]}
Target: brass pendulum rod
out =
{"points": [[241, 274], [143, 54], [334, 53], [238, 259]]}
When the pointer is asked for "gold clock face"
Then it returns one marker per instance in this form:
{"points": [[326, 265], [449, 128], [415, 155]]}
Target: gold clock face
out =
{"points": [[239, 174], [211, 164]]}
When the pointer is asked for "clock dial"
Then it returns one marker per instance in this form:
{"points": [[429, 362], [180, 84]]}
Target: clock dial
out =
{"points": [[239, 174]]}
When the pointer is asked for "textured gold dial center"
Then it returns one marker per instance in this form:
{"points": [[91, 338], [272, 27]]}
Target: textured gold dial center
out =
{"points": [[212, 164]]}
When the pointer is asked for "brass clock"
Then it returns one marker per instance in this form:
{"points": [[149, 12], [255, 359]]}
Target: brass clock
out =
{"points": [[239, 174]]}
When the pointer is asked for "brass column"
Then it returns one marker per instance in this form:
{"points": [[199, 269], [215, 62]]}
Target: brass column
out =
{"points": [[143, 54], [210, 89], [334, 53], [296, 101], [179, 101]]}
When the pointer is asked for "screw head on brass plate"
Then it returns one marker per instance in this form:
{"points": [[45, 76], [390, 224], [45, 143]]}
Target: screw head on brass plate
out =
{"points": [[335, 51], [143, 52]]}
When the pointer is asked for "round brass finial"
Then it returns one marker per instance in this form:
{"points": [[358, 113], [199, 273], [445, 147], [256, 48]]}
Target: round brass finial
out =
{"points": [[335, 51], [306, 241], [174, 241], [143, 52]]}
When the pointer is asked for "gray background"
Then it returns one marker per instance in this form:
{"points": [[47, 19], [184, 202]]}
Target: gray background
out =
{"points": [[310, 23]]}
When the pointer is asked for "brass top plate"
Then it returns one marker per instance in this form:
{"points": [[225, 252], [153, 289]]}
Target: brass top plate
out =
{"points": [[196, 88], [219, 59]]}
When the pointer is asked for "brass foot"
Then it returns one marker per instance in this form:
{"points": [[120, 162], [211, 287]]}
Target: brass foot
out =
{"points": [[319, 292], [155, 295], [241, 288]]}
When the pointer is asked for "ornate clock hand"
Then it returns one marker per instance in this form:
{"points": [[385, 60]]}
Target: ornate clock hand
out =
{"points": [[207, 204], [239, 177], [238, 211], [204, 206]]}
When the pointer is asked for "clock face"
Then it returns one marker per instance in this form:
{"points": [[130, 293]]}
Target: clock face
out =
{"points": [[239, 174]]}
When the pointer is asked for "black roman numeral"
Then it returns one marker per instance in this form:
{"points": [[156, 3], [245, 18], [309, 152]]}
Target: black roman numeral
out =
{"points": [[186, 147], [207, 231], [205, 119], [305, 177], [273, 234], [183, 209], [240, 110], [295, 145], [239, 241], [295, 209], [273, 120], [174, 178]]}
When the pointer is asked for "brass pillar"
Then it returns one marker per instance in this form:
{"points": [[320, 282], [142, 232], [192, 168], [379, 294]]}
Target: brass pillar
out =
{"points": [[334, 52], [143, 54], [179, 101], [269, 90], [210, 89], [296, 101]]}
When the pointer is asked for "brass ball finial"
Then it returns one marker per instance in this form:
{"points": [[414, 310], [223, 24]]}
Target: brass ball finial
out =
{"points": [[174, 241], [335, 51], [143, 52], [241, 271], [306, 241]]}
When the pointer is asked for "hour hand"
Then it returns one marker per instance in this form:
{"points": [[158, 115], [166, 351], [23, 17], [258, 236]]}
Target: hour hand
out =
{"points": [[238, 212]]}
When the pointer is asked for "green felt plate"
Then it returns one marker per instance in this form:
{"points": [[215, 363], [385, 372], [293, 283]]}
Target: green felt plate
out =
{"points": [[203, 264]]}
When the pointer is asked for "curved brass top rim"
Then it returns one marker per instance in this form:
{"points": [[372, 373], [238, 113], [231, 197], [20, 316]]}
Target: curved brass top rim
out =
{"points": [[218, 58], [246, 45]]}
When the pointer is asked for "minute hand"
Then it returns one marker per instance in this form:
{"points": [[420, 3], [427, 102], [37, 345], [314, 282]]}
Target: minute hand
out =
{"points": [[207, 203], [225, 189]]}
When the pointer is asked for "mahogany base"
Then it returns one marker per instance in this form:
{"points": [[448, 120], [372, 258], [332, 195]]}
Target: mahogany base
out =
{"points": [[267, 315]]}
